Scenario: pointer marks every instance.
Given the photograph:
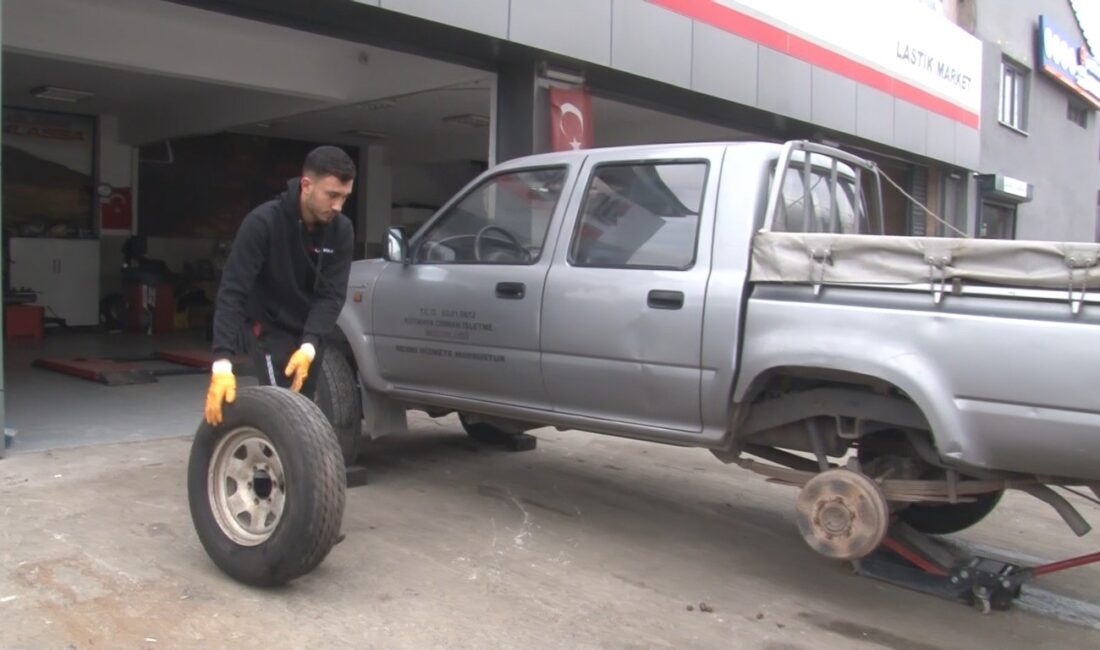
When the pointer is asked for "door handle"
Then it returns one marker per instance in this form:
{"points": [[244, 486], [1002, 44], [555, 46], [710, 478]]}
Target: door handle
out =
{"points": [[511, 290], [665, 299]]}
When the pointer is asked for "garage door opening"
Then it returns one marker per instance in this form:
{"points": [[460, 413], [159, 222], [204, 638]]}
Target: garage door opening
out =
{"points": [[128, 167]]}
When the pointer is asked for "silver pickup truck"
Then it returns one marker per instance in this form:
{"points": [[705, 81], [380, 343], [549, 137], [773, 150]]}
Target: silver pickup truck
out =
{"points": [[740, 297]]}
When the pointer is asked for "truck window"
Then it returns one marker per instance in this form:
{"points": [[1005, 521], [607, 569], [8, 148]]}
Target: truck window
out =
{"points": [[501, 221], [640, 215], [811, 209]]}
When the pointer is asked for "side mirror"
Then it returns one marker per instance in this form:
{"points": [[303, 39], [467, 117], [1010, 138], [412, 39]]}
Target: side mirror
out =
{"points": [[397, 247]]}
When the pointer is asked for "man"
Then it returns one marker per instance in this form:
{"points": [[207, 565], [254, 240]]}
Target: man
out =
{"points": [[284, 282]]}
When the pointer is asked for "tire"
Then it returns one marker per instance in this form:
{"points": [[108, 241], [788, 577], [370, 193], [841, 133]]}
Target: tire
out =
{"points": [[484, 432], [951, 517], [282, 445], [928, 518], [339, 399]]}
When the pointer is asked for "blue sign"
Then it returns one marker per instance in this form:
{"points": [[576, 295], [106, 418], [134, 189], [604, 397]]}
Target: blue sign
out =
{"points": [[1068, 60]]}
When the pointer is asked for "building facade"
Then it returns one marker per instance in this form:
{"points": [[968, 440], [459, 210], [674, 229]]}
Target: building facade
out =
{"points": [[1039, 174]]}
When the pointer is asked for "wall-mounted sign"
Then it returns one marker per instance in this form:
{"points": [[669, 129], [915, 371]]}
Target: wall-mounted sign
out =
{"points": [[1005, 188], [900, 48], [1067, 59]]}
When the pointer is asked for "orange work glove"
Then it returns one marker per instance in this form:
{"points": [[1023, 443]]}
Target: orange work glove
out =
{"points": [[299, 366], [223, 388]]}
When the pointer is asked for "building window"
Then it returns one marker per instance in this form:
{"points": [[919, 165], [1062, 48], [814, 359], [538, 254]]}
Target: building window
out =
{"points": [[998, 221], [1077, 113], [1013, 106]]}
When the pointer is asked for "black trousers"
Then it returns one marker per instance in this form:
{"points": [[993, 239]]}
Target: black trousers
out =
{"points": [[271, 348]]}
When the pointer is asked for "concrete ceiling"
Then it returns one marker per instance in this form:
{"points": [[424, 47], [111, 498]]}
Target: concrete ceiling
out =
{"points": [[165, 71]]}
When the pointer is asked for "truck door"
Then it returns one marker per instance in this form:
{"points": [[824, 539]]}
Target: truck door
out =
{"points": [[462, 318], [623, 311]]}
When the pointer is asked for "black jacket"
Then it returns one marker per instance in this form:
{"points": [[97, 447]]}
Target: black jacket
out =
{"points": [[270, 278]]}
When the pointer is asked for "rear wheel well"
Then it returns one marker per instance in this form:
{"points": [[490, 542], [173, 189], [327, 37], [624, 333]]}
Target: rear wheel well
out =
{"points": [[844, 407]]}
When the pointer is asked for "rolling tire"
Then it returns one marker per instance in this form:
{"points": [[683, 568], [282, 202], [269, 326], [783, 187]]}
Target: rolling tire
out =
{"points": [[949, 517], [338, 397], [267, 487]]}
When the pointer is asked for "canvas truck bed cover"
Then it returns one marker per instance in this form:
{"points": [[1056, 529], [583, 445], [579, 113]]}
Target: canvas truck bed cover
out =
{"points": [[828, 258]]}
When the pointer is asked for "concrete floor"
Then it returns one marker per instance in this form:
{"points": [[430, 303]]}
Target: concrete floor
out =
{"points": [[50, 410], [585, 542]]}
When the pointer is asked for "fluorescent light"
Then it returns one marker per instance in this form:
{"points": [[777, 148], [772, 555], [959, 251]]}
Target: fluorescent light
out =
{"points": [[378, 104], [563, 76], [468, 119], [369, 135], [60, 94]]}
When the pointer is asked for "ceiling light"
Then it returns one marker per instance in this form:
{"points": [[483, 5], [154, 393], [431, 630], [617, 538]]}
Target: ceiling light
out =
{"points": [[60, 94], [563, 76], [369, 135], [378, 104], [468, 119]]}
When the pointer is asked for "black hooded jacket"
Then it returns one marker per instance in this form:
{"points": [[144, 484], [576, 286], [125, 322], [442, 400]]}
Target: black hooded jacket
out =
{"points": [[283, 276]]}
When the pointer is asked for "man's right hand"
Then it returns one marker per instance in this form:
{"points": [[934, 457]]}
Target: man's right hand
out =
{"points": [[223, 389]]}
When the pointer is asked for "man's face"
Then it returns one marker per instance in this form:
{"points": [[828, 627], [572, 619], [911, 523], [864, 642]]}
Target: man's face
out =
{"points": [[323, 197]]}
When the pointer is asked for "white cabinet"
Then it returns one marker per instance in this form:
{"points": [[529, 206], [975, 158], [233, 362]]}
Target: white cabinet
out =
{"points": [[64, 272]]}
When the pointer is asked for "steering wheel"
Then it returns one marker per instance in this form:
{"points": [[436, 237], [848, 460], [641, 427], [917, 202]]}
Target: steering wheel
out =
{"points": [[509, 239]]}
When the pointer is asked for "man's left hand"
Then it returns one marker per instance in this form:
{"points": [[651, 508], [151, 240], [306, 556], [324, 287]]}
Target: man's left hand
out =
{"points": [[298, 368]]}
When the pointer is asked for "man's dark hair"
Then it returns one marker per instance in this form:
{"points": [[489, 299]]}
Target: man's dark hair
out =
{"points": [[328, 160]]}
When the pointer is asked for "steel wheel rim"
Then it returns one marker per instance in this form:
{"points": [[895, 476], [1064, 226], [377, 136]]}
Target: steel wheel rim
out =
{"points": [[246, 486]]}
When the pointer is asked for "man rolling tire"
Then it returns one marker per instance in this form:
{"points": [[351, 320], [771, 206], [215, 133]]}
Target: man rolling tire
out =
{"points": [[285, 282], [266, 479]]}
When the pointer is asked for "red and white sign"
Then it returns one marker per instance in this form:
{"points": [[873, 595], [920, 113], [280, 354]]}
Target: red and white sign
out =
{"points": [[900, 48], [570, 119]]}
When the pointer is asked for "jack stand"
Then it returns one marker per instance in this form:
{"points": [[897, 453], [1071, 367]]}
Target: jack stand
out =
{"points": [[508, 441], [519, 442], [910, 559], [356, 475]]}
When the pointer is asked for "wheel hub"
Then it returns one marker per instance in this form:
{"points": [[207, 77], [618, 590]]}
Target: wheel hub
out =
{"points": [[842, 514], [835, 518], [246, 486]]}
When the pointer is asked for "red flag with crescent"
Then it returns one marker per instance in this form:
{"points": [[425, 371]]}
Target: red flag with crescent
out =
{"points": [[570, 119]]}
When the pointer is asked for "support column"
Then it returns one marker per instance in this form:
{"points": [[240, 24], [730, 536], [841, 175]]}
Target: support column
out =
{"points": [[376, 198], [520, 110]]}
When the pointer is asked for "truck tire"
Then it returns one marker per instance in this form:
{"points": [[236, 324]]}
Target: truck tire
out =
{"points": [[949, 517], [338, 397], [483, 431], [266, 487]]}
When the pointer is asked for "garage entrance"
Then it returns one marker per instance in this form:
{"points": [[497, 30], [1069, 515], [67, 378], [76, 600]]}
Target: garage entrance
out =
{"points": [[137, 135]]}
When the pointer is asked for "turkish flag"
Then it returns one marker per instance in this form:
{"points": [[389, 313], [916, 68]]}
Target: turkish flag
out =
{"points": [[570, 119]]}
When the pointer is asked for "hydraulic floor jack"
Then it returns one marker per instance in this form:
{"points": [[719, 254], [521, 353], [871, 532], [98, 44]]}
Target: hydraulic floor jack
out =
{"points": [[911, 559]]}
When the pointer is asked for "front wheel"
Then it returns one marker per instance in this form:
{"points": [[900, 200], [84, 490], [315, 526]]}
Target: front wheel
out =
{"points": [[338, 398], [267, 487]]}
